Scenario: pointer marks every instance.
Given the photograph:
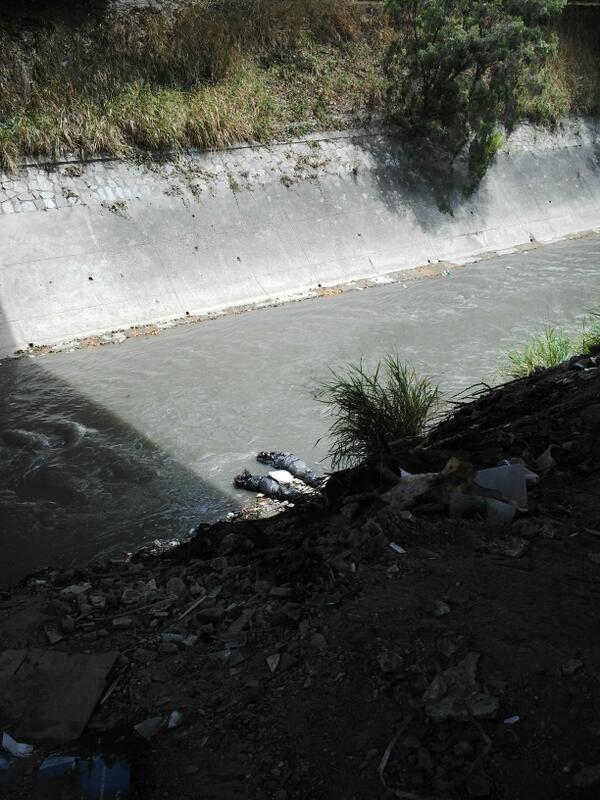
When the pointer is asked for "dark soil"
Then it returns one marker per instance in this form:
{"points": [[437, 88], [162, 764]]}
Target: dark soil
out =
{"points": [[361, 631]]}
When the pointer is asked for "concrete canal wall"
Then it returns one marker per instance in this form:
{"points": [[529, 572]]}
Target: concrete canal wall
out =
{"points": [[87, 249]]}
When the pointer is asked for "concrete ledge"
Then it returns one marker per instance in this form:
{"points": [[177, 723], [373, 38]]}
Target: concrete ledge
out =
{"points": [[86, 249]]}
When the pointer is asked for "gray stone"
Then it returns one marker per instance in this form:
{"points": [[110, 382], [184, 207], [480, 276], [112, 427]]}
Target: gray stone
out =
{"points": [[168, 648], [591, 415], [462, 749], [587, 777], [176, 587], [318, 642], [67, 624], [122, 623], [478, 785]]}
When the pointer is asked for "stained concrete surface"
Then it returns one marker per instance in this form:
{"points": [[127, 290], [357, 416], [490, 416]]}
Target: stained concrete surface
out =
{"points": [[86, 249]]}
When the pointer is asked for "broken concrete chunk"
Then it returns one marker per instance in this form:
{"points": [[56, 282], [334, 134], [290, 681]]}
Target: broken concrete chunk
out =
{"points": [[571, 666], [77, 589], [408, 488], [440, 609], [238, 625], [48, 696], [52, 635], [149, 727], [122, 623], [143, 656], [273, 661], [511, 546], [455, 694], [280, 591]]}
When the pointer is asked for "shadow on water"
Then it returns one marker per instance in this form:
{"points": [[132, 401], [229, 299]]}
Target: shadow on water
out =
{"points": [[77, 481]]}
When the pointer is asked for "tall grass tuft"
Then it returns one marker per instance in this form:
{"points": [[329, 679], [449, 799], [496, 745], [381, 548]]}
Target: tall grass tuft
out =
{"points": [[546, 349], [373, 410], [590, 333]]}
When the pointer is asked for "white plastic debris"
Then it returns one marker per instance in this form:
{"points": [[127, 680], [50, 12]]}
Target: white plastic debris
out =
{"points": [[16, 749], [281, 476], [510, 480], [512, 720], [175, 718], [398, 548]]}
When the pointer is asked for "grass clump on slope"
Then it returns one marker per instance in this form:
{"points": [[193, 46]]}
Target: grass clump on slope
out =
{"points": [[372, 410]]}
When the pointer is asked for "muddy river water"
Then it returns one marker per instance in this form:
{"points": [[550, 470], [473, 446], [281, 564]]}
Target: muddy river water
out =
{"points": [[108, 448]]}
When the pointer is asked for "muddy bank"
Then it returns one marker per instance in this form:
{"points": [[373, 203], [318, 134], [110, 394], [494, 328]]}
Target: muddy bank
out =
{"points": [[310, 659]]}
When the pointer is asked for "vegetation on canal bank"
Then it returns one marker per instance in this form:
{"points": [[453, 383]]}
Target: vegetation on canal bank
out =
{"points": [[214, 72], [373, 410], [551, 347]]}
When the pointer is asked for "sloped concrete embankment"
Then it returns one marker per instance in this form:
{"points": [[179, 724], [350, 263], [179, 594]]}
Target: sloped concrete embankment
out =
{"points": [[87, 249]]}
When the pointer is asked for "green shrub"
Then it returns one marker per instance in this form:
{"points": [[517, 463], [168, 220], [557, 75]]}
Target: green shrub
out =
{"points": [[373, 410], [458, 69], [546, 349]]}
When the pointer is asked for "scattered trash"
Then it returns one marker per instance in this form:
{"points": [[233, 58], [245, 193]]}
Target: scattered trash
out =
{"points": [[386, 757], [16, 749], [192, 607], [175, 718], [512, 720], [509, 480], [397, 548]]}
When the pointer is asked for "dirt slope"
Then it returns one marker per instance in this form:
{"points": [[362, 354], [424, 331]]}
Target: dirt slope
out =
{"points": [[432, 649]]}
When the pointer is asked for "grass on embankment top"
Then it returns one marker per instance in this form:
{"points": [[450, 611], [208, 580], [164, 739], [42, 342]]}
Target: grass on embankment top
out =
{"points": [[217, 72], [210, 74]]}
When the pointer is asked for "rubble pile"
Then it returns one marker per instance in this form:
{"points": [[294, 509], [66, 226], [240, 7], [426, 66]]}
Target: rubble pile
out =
{"points": [[386, 642]]}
